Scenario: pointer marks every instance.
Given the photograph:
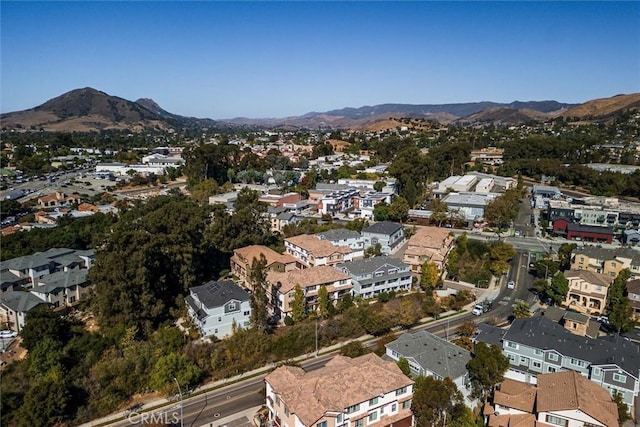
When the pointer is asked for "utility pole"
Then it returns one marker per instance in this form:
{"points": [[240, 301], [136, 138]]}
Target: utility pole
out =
{"points": [[181, 405], [316, 337]]}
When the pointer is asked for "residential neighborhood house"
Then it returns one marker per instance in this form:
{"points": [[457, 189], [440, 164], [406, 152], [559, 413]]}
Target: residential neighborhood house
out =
{"points": [[371, 276]]}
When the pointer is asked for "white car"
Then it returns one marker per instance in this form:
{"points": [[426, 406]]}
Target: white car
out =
{"points": [[511, 284], [8, 334], [477, 310]]}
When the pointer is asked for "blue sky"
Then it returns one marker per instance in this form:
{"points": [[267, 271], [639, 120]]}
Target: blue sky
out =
{"points": [[275, 59]]}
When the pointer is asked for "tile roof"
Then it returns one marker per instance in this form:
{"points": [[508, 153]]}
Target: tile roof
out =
{"points": [[432, 353], [542, 333], [561, 391], [319, 248], [20, 301], [589, 277], [249, 253], [633, 286], [362, 266], [431, 237], [384, 227], [319, 275], [214, 294], [516, 395], [341, 383]]}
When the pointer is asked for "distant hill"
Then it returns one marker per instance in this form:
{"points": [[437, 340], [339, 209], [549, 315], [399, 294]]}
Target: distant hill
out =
{"points": [[504, 116], [88, 109], [604, 108]]}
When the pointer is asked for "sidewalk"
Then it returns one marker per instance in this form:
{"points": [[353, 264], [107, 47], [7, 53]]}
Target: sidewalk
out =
{"points": [[241, 419]]}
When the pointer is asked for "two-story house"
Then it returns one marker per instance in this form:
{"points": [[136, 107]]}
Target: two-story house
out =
{"points": [[430, 355], [58, 199], [370, 276], [428, 244], [362, 392], [344, 237], [633, 293], [587, 290], [389, 235], [606, 261], [538, 345], [243, 258], [558, 399], [14, 306], [217, 307], [311, 251], [63, 288], [310, 280], [365, 202], [39, 264]]}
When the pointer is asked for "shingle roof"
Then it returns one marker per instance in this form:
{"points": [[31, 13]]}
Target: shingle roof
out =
{"points": [[338, 234], [606, 254], [369, 265], [432, 353], [215, 294], [562, 391], [61, 279], [341, 383], [633, 286], [431, 237], [516, 395], [489, 334], [590, 277], [249, 253], [540, 332], [313, 276], [384, 227], [19, 301]]}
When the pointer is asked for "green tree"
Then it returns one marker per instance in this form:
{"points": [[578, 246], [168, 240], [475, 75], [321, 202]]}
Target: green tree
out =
{"points": [[521, 310], [381, 212], [259, 296], [559, 288], [170, 368], [439, 211], [399, 209], [323, 302], [403, 364], [429, 276], [486, 369], [47, 403], [379, 185], [621, 317], [43, 324], [434, 400], [354, 349], [299, 305], [623, 409]]}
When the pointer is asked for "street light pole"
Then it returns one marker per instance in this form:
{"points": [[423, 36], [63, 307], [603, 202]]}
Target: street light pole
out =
{"points": [[181, 405], [316, 338]]}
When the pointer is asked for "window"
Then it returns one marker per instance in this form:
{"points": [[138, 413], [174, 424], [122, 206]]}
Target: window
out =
{"points": [[373, 401], [358, 423], [400, 391], [406, 404], [620, 378], [373, 416], [577, 362], [537, 364], [512, 357], [553, 356], [512, 344], [596, 372], [394, 407], [322, 424], [557, 421], [286, 411], [278, 400], [246, 313], [393, 271], [352, 409], [215, 331], [378, 274], [339, 419], [551, 369], [524, 360]]}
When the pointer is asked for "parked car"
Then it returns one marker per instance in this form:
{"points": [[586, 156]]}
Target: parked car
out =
{"points": [[477, 310], [603, 319], [8, 334], [511, 284]]}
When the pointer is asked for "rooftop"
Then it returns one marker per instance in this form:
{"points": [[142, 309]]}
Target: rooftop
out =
{"points": [[20, 301], [341, 383], [383, 227], [319, 248], [338, 234], [215, 294], [362, 266], [320, 275]]}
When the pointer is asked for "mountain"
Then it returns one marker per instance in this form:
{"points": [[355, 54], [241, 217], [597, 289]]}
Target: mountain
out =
{"points": [[88, 109], [604, 108], [366, 117]]}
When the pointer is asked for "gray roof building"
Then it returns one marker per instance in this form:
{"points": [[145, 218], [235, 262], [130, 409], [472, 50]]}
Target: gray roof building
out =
{"points": [[489, 334], [543, 333], [61, 279], [338, 234], [383, 227], [363, 266], [432, 354], [215, 294], [20, 301]]}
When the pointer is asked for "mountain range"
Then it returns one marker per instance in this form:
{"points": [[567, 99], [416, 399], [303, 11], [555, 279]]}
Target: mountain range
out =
{"points": [[87, 109]]}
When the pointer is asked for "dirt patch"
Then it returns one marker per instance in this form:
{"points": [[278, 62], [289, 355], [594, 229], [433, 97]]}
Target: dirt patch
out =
{"points": [[14, 352]]}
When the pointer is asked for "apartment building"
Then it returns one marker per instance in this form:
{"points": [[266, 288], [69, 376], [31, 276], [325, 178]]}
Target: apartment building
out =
{"points": [[311, 251], [587, 291], [310, 280], [428, 244], [344, 237], [370, 276], [243, 258], [365, 391], [606, 261]]}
